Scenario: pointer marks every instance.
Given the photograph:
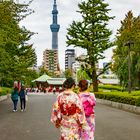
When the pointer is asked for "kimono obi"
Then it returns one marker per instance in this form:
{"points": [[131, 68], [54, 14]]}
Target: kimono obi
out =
{"points": [[88, 101], [68, 109]]}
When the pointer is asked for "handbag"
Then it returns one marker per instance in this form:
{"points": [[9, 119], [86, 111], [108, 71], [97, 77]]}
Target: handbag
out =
{"points": [[26, 97]]}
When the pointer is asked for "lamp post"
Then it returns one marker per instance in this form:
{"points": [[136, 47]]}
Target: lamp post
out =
{"points": [[129, 69], [129, 66]]}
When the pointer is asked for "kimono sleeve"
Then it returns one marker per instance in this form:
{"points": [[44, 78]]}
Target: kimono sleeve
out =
{"points": [[56, 114], [93, 99]]}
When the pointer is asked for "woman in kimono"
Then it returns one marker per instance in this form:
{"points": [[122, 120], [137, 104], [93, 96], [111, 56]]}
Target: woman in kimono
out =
{"points": [[89, 101], [68, 113]]}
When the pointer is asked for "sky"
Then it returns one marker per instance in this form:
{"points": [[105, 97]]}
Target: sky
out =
{"points": [[39, 22]]}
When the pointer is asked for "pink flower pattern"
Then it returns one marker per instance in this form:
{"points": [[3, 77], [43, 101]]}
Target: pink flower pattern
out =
{"points": [[68, 115], [89, 102]]}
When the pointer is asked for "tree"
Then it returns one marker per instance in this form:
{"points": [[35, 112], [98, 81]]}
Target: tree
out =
{"points": [[19, 55], [43, 70], [92, 34], [129, 31], [31, 74], [81, 74], [68, 73]]}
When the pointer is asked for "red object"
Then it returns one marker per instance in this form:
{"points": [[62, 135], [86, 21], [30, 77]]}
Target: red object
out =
{"points": [[50, 90]]}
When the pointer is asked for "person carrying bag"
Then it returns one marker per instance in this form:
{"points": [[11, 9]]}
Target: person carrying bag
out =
{"points": [[23, 98]]}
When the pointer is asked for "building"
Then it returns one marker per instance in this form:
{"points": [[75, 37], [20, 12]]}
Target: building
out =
{"points": [[104, 65], [50, 56], [69, 58], [82, 59], [47, 83], [76, 66], [109, 81]]}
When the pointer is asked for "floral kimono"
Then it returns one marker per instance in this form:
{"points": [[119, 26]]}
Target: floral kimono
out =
{"points": [[68, 114], [89, 102]]}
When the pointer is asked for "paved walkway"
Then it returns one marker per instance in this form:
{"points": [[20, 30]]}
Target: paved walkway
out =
{"points": [[34, 124]]}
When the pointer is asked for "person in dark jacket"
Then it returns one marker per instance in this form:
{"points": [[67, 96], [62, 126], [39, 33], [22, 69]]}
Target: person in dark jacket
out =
{"points": [[22, 95], [14, 97]]}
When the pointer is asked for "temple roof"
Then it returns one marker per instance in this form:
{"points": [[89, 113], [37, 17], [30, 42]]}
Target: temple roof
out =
{"points": [[49, 80], [42, 78]]}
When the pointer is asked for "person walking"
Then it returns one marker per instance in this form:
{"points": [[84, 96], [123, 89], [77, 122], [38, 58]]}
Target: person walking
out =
{"points": [[89, 101], [22, 95], [68, 113], [14, 97], [54, 90]]}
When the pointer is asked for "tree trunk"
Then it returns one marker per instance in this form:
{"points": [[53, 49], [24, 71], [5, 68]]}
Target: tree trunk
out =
{"points": [[94, 80]]}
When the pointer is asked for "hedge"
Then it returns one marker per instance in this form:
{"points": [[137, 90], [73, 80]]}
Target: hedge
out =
{"points": [[121, 97], [110, 87], [4, 91]]}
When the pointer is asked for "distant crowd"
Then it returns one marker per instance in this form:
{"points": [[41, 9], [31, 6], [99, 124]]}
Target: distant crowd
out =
{"points": [[46, 89]]}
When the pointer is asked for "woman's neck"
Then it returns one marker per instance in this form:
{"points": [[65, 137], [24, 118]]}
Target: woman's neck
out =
{"points": [[85, 91], [70, 90]]}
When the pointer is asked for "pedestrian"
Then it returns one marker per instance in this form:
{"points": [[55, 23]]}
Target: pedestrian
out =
{"points": [[22, 95], [14, 97], [54, 90], [89, 101], [68, 113], [60, 89]]}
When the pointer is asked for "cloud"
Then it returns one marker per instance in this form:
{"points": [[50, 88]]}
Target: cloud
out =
{"points": [[42, 18]]}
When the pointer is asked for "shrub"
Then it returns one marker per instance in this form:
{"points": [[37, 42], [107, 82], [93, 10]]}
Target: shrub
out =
{"points": [[4, 91], [110, 87], [138, 102], [119, 97]]}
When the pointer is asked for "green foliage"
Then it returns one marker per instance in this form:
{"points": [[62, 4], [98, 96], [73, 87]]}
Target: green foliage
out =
{"points": [[121, 97], [31, 74], [128, 32], [110, 87], [92, 34], [76, 90], [16, 55], [81, 74], [138, 102], [5, 91], [68, 73], [43, 70], [135, 93]]}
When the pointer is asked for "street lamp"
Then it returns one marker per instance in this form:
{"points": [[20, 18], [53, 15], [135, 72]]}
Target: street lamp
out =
{"points": [[128, 43]]}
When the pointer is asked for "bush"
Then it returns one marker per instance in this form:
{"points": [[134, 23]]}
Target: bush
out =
{"points": [[110, 87], [135, 93], [4, 91], [138, 102], [121, 97]]}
